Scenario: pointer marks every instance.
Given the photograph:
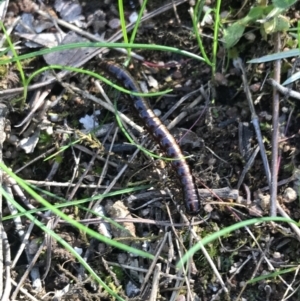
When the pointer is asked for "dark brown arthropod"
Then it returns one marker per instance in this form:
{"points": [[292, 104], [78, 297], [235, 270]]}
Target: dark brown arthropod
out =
{"points": [[161, 135]]}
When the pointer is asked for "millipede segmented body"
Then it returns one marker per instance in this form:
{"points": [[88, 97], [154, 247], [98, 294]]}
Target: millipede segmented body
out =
{"points": [[161, 135]]}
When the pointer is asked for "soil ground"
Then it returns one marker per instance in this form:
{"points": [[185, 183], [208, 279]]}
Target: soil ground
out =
{"points": [[216, 135]]}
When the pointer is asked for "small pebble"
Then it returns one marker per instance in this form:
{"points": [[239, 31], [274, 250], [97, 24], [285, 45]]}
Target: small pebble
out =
{"points": [[54, 117], [133, 17], [290, 195], [114, 23], [177, 75], [250, 36], [157, 112], [276, 255]]}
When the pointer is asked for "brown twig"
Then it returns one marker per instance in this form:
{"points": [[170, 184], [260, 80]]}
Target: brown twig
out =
{"points": [[283, 90], [275, 134], [254, 118]]}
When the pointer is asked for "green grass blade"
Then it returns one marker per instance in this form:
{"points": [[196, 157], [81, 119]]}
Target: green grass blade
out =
{"points": [[100, 44], [65, 203], [17, 60], [198, 37], [227, 230], [60, 241], [271, 275], [70, 220], [276, 56], [216, 32], [93, 74], [136, 26]]}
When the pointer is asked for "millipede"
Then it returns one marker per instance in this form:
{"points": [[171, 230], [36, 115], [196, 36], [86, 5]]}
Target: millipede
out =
{"points": [[162, 136]]}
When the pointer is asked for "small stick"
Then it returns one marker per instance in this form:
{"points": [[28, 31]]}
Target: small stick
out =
{"points": [[275, 134], [283, 90], [254, 118]]}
